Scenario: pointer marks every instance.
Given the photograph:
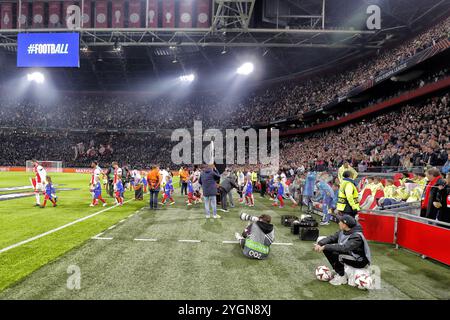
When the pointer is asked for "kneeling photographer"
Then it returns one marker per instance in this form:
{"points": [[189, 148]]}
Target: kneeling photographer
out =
{"points": [[257, 236]]}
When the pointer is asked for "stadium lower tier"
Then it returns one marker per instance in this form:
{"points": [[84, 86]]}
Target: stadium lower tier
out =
{"points": [[131, 252]]}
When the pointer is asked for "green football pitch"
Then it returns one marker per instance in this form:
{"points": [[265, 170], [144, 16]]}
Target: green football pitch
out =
{"points": [[131, 252]]}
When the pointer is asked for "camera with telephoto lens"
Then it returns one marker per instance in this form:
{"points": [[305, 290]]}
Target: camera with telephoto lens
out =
{"points": [[247, 217]]}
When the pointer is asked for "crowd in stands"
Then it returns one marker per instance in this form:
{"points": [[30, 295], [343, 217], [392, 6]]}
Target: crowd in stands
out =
{"points": [[415, 135], [262, 105], [412, 136]]}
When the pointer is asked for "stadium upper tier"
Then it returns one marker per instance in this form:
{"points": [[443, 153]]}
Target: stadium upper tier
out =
{"points": [[219, 109]]}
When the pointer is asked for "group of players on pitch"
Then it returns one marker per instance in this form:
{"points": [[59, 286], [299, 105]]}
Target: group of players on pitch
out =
{"points": [[121, 179], [117, 180]]}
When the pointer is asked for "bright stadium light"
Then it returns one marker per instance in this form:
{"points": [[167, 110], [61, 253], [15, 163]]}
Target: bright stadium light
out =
{"points": [[36, 77], [245, 69], [187, 77]]}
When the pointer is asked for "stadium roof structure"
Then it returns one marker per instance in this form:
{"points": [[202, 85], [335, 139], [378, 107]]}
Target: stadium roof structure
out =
{"points": [[287, 37]]}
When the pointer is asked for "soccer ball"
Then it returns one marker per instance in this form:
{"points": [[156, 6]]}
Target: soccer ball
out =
{"points": [[320, 238], [323, 273], [363, 281]]}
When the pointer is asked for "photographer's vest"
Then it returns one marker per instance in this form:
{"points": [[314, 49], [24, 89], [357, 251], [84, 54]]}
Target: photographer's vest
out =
{"points": [[257, 244], [343, 238], [342, 198]]}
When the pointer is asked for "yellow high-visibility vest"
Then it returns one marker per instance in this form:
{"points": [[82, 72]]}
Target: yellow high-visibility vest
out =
{"points": [[351, 200]]}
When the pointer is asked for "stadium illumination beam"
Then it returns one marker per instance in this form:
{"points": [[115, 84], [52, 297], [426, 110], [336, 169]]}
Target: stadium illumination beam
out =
{"points": [[245, 69], [187, 78], [37, 77]]}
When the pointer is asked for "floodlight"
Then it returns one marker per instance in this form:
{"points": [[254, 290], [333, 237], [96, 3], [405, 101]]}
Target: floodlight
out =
{"points": [[37, 77], [187, 77], [245, 69]]}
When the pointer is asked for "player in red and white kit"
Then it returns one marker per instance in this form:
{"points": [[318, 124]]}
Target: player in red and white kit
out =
{"points": [[117, 183], [95, 185], [39, 181]]}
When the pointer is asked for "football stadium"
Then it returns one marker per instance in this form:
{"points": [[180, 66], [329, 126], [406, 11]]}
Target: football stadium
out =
{"points": [[225, 150]]}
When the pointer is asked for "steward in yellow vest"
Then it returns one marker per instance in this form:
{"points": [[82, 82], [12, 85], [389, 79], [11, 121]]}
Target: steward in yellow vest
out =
{"points": [[348, 196]]}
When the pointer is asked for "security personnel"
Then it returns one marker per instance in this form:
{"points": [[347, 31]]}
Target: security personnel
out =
{"points": [[348, 196], [254, 178]]}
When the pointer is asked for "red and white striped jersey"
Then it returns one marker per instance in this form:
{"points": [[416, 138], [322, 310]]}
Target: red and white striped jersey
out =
{"points": [[95, 177], [117, 175], [41, 174]]}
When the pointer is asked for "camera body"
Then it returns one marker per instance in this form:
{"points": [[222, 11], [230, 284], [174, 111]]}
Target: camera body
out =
{"points": [[246, 217]]}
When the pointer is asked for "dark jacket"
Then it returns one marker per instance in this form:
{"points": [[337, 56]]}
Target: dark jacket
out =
{"points": [[444, 198], [208, 180], [431, 212], [353, 246]]}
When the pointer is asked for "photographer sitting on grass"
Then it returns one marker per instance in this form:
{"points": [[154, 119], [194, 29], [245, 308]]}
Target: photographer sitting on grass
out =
{"points": [[257, 236]]}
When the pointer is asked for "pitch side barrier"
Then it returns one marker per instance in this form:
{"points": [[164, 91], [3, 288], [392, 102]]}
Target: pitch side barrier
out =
{"points": [[429, 238]]}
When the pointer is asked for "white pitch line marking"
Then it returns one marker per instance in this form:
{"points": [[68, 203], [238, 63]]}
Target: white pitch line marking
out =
{"points": [[144, 239], [101, 238], [18, 244], [196, 241], [275, 243], [112, 227], [122, 220], [98, 235]]}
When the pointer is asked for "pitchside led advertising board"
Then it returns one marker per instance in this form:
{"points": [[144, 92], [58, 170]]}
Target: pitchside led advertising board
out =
{"points": [[48, 50]]}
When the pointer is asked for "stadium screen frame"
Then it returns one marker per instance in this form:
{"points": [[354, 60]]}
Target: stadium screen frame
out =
{"points": [[60, 49]]}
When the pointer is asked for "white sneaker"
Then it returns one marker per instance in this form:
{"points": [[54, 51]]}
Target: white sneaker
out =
{"points": [[238, 236], [189, 204], [338, 280], [207, 217], [217, 216], [92, 205], [323, 223]]}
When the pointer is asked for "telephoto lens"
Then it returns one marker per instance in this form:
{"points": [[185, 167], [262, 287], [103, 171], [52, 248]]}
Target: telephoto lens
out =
{"points": [[247, 217]]}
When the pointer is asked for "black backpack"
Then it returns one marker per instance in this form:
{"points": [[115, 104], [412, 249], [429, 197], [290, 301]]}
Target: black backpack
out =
{"points": [[287, 220], [308, 222]]}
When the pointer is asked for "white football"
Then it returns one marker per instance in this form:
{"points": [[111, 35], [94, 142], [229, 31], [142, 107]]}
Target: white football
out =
{"points": [[323, 273], [364, 281], [320, 238]]}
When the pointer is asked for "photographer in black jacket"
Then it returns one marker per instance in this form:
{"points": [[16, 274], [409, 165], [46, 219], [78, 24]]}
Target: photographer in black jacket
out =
{"points": [[346, 247]]}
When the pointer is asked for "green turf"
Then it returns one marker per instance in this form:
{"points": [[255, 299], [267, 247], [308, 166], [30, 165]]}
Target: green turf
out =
{"points": [[124, 268]]}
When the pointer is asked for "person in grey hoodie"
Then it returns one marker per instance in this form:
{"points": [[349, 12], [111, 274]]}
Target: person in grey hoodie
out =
{"points": [[208, 180], [348, 247], [227, 184]]}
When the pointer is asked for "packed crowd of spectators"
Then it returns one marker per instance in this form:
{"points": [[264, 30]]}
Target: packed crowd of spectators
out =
{"points": [[414, 136], [79, 149], [262, 105]]}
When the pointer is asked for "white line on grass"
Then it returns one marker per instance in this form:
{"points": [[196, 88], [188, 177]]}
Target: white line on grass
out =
{"points": [[98, 235], [112, 227], [275, 243], [18, 244], [101, 238], [144, 239], [190, 241]]}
